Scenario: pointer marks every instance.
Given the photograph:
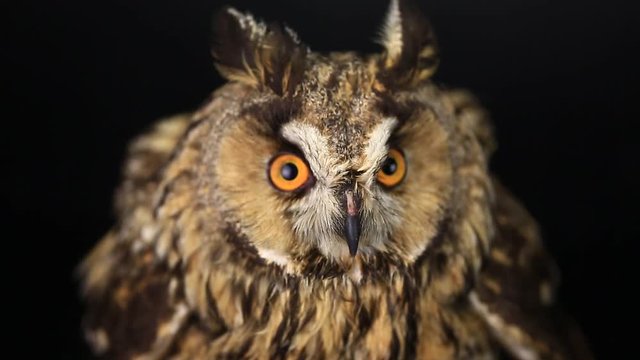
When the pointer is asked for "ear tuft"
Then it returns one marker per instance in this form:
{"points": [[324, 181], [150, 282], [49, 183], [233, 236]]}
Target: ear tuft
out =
{"points": [[411, 52], [263, 56]]}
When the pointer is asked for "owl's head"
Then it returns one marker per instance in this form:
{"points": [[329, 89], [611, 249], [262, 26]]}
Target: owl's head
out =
{"points": [[326, 161]]}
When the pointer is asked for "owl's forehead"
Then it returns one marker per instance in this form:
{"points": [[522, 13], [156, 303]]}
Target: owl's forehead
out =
{"points": [[336, 98]]}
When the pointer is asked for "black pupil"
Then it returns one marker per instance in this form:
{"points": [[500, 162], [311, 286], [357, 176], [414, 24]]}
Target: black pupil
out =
{"points": [[289, 171], [390, 166]]}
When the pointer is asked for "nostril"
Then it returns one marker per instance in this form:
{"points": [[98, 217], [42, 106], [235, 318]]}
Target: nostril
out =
{"points": [[352, 207]]}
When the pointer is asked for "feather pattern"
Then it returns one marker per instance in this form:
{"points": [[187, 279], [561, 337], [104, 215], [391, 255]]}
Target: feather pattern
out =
{"points": [[209, 259], [257, 54]]}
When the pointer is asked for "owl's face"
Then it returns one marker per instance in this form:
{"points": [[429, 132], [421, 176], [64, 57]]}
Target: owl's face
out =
{"points": [[339, 158]]}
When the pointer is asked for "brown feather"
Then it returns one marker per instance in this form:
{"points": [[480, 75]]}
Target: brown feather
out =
{"points": [[261, 55], [209, 260]]}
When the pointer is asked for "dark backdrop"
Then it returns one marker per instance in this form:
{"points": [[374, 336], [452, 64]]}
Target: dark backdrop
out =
{"points": [[85, 77]]}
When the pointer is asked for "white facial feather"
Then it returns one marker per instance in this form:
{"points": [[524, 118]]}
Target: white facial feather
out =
{"points": [[275, 257], [316, 150], [318, 214], [316, 218], [376, 150], [380, 211]]}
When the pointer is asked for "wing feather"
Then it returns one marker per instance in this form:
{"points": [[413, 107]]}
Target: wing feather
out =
{"points": [[516, 289], [128, 289]]}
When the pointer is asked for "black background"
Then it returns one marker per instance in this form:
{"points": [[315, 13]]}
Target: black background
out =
{"points": [[85, 77]]}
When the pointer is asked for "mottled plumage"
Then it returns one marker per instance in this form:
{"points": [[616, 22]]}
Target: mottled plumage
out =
{"points": [[209, 259]]}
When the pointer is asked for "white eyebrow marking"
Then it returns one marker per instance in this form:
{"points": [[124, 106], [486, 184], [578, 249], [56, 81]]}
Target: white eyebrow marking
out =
{"points": [[316, 150], [376, 150]]}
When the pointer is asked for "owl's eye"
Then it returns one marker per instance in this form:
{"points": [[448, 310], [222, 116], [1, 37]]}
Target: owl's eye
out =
{"points": [[288, 172], [393, 169]]}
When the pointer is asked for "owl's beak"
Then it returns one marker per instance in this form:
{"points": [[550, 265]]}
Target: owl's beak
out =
{"points": [[352, 221]]}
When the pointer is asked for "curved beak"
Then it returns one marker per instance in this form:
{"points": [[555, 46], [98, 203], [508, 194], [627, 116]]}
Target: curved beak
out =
{"points": [[352, 224]]}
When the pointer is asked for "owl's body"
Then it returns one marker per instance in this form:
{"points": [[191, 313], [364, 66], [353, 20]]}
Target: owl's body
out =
{"points": [[216, 255]]}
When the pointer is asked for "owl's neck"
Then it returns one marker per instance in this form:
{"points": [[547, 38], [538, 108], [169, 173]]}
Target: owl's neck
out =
{"points": [[271, 312]]}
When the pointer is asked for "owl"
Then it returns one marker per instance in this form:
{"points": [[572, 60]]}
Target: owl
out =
{"points": [[322, 206]]}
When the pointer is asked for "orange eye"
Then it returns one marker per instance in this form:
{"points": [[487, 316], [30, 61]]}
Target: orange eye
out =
{"points": [[288, 172], [393, 169]]}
